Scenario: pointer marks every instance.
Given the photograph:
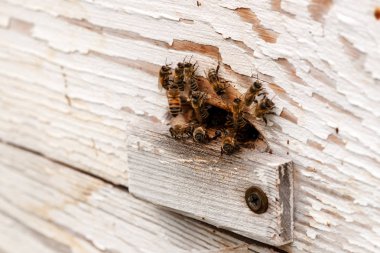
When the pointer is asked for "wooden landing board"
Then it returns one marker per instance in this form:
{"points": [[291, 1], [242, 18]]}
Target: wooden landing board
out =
{"points": [[193, 179]]}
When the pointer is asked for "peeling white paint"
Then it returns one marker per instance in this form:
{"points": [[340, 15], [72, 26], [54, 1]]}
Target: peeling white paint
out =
{"points": [[330, 80]]}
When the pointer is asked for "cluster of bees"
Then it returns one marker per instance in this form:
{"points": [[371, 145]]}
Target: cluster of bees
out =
{"points": [[206, 109]]}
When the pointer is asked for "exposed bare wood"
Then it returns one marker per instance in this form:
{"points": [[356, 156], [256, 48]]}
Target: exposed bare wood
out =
{"points": [[52, 208], [72, 79], [195, 180]]}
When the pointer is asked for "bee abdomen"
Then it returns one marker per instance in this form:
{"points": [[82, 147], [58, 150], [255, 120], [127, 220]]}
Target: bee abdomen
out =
{"points": [[229, 121], [249, 98], [174, 102], [174, 106], [204, 114], [194, 84], [241, 122], [179, 81], [181, 85]]}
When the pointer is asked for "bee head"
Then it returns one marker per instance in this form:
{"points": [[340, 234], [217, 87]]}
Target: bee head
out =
{"points": [[199, 134], [165, 68], [228, 147], [257, 85], [188, 65], [237, 101]]}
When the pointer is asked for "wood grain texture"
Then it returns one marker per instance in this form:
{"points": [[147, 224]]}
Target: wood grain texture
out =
{"points": [[195, 180], [72, 79], [47, 207]]}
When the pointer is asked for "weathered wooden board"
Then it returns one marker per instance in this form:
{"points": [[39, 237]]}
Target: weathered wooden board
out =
{"points": [[72, 78], [47, 207], [195, 180]]}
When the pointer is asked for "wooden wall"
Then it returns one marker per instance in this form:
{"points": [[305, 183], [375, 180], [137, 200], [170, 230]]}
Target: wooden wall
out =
{"points": [[75, 74]]}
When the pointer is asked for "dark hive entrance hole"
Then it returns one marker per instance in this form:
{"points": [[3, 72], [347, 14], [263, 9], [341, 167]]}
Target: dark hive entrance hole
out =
{"points": [[218, 118], [247, 133]]}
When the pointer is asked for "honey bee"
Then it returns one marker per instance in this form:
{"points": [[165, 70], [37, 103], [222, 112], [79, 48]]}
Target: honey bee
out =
{"points": [[174, 99], [237, 114], [179, 76], [180, 128], [229, 145], [238, 125], [164, 76], [263, 107], [199, 134], [189, 76], [189, 69], [219, 85], [197, 102], [193, 84], [254, 90]]}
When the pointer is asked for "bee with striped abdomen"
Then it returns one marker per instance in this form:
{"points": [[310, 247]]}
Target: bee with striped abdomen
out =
{"points": [[190, 79], [218, 84], [237, 114], [174, 99], [179, 76], [197, 101]]}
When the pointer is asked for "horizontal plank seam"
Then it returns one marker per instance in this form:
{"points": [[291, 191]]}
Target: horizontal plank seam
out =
{"points": [[69, 166], [125, 189], [39, 236], [63, 228]]}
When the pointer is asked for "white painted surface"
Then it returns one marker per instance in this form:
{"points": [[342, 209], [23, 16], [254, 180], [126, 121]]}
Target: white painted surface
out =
{"points": [[194, 180], [74, 73], [47, 207]]}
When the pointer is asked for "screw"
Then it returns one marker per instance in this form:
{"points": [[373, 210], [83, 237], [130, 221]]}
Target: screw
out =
{"points": [[256, 200]]}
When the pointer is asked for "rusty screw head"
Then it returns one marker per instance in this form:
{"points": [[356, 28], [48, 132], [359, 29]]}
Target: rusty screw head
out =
{"points": [[256, 200]]}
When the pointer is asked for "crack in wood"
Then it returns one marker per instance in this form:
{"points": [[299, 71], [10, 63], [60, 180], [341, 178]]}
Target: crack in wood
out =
{"points": [[83, 171]]}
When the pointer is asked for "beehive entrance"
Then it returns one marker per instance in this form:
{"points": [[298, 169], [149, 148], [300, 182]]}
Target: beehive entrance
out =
{"points": [[216, 115]]}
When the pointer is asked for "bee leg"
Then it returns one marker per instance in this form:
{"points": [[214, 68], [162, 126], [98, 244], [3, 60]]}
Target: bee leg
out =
{"points": [[265, 120], [218, 133], [221, 151], [196, 66]]}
